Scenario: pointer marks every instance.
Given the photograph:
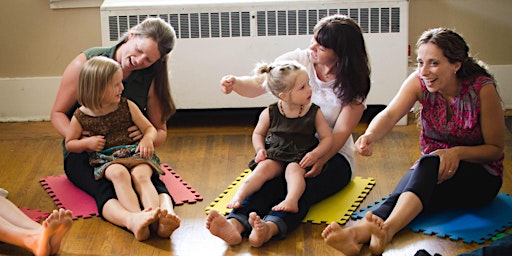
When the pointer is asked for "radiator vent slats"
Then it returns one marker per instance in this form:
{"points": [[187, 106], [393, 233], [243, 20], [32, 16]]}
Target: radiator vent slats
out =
{"points": [[266, 22]]}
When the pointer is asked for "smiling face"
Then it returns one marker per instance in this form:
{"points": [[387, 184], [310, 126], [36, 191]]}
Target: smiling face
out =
{"points": [[321, 54], [138, 53], [113, 90], [436, 71]]}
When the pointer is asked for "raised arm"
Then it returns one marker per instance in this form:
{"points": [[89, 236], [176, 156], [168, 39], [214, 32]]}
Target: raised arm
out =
{"points": [[247, 86], [66, 95], [400, 105]]}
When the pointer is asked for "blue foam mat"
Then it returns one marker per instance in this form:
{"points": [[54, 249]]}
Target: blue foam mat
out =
{"points": [[470, 225]]}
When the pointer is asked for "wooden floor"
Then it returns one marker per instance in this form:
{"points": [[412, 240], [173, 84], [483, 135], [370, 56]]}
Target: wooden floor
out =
{"points": [[209, 150]]}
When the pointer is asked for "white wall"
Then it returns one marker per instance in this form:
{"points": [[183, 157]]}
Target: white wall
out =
{"points": [[31, 99]]}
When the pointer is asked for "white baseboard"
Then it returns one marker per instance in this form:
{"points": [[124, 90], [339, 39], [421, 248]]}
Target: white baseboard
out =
{"points": [[31, 99], [27, 99]]}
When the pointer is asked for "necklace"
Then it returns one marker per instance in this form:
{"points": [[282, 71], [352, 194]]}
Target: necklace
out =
{"points": [[282, 109]]}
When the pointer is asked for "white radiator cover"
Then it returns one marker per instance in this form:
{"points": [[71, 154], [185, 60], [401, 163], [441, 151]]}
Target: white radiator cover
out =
{"points": [[216, 38]]}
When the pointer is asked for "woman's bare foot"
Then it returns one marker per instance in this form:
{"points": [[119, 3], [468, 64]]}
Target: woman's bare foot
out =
{"points": [[342, 239], [66, 221], [286, 206], [138, 223], [350, 240], [379, 238], [167, 223], [39, 244], [220, 227], [261, 232]]}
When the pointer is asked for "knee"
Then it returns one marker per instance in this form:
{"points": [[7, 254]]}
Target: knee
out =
{"points": [[117, 173], [430, 160], [142, 173]]}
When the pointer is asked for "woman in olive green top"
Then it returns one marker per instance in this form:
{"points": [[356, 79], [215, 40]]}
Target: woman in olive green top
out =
{"points": [[142, 53]]}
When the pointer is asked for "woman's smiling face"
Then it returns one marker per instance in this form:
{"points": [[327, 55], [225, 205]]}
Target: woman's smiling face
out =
{"points": [[435, 69]]}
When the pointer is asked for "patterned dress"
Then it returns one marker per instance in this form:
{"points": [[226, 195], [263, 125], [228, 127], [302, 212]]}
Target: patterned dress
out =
{"points": [[119, 147]]}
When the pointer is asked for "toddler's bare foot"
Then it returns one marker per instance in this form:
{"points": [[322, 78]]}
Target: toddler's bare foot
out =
{"points": [[260, 233], [167, 224], [65, 219], [343, 240], [220, 227], [234, 203], [286, 206], [139, 222]]}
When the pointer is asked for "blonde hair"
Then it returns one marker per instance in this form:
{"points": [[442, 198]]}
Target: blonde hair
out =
{"points": [[279, 76], [94, 77]]}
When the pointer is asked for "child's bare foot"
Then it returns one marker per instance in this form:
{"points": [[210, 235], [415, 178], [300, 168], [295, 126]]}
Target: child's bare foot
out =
{"points": [[65, 221], [220, 227], [235, 203], [286, 206], [167, 224], [139, 222], [260, 233], [342, 239]]}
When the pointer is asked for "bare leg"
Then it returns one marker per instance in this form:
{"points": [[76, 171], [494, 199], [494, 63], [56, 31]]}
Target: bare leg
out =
{"points": [[262, 231], [141, 176], [350, 240], [120, 177], [37, 238], [296, 185], [229, 230], [264, 171], [137, 222]]}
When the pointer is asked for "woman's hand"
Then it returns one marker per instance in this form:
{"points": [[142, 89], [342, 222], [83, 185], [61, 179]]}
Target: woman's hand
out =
{"points": [[308, 160], [448, 165], [364, 145], [316, 169], [227, 83], [134, 133]]}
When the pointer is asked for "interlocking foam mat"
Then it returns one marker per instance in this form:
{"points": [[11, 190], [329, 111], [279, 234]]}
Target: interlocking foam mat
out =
{"points": [[68, 196], [35, 214], [470, 225], [336, 208]]}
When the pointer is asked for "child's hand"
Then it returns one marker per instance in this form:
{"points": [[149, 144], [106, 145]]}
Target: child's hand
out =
{"points": [[260, 155], [308, 160], [95, 143], [227, 83], [146, 148]]}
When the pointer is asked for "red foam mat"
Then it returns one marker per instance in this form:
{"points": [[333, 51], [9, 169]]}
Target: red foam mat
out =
{"points": [[68, 196]]}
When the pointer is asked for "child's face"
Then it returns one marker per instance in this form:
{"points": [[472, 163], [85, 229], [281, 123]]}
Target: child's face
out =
{"points": [[114, 89], [301, 91]]}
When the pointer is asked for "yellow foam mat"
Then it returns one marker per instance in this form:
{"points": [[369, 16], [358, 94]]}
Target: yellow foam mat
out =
{"points": [[336, 208]]}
